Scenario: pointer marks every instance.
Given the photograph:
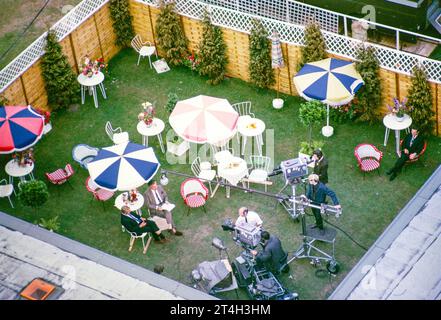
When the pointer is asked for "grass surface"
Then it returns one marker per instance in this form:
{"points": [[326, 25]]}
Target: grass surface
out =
{"points": [[16, 15], [369, 204]]}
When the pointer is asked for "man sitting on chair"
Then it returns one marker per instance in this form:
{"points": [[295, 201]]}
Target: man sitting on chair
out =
{"points": [[134, 223], [246, 216], [157, 203], [412, 146]]}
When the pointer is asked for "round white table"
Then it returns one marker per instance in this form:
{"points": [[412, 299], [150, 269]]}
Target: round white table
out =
{"points": [[232, 171], [91, 83], [134, 206], [251, 127], [391, 123], [154, 130], [13, 170], [223, 156]]}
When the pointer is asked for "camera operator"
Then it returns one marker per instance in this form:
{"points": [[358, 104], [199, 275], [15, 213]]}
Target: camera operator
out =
{"points": [[317, 192], [320, 165], [251, 217], [272, 257]]}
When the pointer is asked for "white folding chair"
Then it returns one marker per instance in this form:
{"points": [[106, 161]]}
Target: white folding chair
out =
{"points": [[134, 236], [244, 111], [116, 135], [6, 190], [144, 49], [203, 172], [260, 168]]}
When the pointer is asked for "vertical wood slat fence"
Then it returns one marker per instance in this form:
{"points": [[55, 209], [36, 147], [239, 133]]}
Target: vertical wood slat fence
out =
{"points": [[95, 36]]}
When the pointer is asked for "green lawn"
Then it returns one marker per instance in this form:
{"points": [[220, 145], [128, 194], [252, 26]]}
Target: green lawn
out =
{"points": [[369, 204], [16, 15]]}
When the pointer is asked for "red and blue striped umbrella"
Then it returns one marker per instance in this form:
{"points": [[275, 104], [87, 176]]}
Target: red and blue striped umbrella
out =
{"points": [[20, 128]]}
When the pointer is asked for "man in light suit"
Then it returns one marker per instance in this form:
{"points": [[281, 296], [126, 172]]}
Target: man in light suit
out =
{"points": [[156, 199]]}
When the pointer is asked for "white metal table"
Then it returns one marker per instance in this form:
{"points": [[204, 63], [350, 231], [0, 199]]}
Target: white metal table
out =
{"points": [[232, 171], [134, 206], [249, 128], [154, 130], [91, 83], [391, 122], [14, 170]]}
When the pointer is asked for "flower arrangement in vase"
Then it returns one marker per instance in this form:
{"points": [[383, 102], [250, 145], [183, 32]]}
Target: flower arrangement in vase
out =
{"points": [[133, 195], [147, 114], [91, 67], [24, 158], [399, 108]]}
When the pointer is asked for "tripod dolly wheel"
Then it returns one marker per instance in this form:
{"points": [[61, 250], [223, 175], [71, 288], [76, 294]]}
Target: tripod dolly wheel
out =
{"points": [[333, 267]]}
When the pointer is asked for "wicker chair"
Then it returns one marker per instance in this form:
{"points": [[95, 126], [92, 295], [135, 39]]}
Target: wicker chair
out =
{"points": [[61, 176], [194, 193], [368, 157]]}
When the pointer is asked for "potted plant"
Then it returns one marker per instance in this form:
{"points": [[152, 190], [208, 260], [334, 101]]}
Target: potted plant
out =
{"points": [[311, 113], [306, 149], [51, 224], [33, 193], [175, 144], [399, 108]]}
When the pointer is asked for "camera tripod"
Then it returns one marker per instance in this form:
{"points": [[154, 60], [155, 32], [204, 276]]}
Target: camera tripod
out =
{"points": [[307, 249], [287, 203]]}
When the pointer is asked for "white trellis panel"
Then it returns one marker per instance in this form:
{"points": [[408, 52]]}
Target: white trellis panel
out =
{"points": [[225, 14], [62, 28]]}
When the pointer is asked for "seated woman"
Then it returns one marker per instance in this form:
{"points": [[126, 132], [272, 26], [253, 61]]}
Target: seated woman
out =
{"points": [[134, 223]]}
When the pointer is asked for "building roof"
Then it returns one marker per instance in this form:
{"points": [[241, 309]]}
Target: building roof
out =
{"points": [[28, 252], [405, 261]]}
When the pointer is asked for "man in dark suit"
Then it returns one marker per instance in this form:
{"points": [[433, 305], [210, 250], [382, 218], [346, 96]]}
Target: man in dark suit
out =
{"points": [[317, 192], [273, 257], [320, 165], [156, 202], [134, 223], [412, 145]]}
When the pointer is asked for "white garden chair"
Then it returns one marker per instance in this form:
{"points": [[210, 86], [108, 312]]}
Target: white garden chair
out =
{"points": [[244, 111], [260, 168], [116, 135], [6, 190], [144, 49], [203, 171]]}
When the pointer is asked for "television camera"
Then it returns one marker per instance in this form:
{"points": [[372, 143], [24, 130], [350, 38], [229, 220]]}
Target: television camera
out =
{"points": [[260, 283], [294, 172]]}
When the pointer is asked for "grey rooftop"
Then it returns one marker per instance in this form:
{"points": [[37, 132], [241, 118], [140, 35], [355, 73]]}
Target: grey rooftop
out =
{"points": [[28, 251], [405, 261]]}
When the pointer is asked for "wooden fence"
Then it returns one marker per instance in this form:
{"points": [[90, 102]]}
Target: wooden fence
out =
{"points": [[96, 38]]}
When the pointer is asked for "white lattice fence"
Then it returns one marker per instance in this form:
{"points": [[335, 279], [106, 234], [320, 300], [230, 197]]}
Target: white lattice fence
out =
{"points": [[228, 17], [62, 28]]}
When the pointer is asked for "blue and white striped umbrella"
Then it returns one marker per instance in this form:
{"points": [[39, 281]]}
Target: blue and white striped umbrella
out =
{"points": [[123, 166], [331, 81]]}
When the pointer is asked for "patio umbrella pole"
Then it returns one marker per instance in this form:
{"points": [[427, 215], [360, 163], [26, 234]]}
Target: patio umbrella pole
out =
{"points": [[327, 115]]}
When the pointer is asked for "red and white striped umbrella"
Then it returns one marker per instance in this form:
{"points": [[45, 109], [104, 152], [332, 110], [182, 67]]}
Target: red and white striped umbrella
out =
{"points": [[204, 119]]}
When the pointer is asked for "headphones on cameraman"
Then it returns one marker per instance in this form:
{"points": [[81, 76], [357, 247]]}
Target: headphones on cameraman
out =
{"points": [[245, 211]]}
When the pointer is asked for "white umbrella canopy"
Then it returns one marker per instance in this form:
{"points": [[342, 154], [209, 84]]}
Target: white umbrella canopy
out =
{"points": [[204, 119]]}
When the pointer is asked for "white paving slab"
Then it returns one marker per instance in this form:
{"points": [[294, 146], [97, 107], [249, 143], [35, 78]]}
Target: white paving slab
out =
{"points": [[405, 262], [23, 258]]}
